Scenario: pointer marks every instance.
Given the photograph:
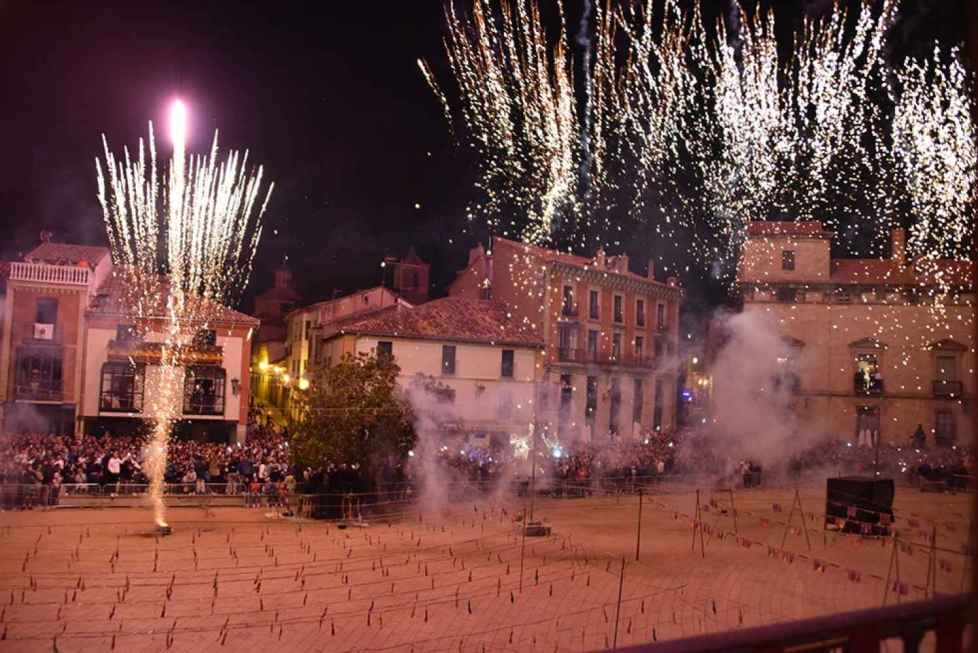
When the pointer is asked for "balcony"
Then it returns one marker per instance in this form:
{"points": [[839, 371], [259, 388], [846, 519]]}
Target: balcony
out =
{"points": [[859, 631], [870, 388], [39, 392], [570, 310], [570, 355], [948, 389], [63, 275]]}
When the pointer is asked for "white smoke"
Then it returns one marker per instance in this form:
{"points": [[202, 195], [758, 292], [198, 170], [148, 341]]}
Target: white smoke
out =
{"points": [[755, 403]]}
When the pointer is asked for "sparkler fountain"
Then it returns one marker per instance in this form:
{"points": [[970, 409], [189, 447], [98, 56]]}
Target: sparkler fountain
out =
{"points": [[184, 242]]}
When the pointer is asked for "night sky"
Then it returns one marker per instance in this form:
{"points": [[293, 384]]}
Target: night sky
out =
{"points": [[327, 95]]}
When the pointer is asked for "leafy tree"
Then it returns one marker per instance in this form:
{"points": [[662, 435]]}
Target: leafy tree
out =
{"points": [[353, 414]]}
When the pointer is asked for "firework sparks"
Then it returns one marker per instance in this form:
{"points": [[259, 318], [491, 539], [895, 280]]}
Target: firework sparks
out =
{"points": [[185, 240]]}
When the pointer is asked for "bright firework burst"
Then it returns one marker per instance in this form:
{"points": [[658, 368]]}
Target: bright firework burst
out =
{"points": [[186, 240]]}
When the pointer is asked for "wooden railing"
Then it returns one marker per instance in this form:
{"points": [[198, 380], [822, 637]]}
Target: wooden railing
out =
{"points": [[68, 275], [854, 632]]}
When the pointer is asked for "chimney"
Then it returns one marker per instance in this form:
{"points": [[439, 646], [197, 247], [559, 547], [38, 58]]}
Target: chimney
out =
{"points": [[621, 263], [599, 258], [673, 282], [46, 236], [898, 245], [651, 273]]}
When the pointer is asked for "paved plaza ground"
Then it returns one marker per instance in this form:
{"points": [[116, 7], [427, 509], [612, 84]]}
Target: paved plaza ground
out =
{"points": [[228, 578]]}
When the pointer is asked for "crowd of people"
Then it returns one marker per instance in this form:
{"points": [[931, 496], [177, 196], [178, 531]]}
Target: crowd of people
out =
{"points": [[263, 470], [40, 466]]}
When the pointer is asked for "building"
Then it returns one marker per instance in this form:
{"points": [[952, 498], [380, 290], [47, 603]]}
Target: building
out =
{"points": [[269, 352], [73, 358], [873, 352], [307, 327], [469, 345], [608, 335]]}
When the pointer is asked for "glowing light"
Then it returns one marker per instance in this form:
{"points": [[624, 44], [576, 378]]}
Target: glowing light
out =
{"points": [[183, 241], [303, 384]]}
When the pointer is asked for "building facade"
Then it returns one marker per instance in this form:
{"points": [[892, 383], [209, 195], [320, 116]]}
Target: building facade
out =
{"points": [[469, 346], [874, 352], [610, 336], [73, 358]]}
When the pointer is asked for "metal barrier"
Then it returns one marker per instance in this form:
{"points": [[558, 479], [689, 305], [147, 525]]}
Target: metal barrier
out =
{"points": [[853, 632]]}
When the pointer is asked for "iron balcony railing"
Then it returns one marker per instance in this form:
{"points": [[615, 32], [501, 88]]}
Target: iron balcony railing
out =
{"points": [[572, 355], [946, 388], [570, 310], [37, 392]]}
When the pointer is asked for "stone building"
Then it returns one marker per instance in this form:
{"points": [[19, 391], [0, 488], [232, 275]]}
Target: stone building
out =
{"points": [[874, 352], [608, 335]]}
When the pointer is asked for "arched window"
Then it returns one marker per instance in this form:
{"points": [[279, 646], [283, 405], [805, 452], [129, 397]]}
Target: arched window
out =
{"points": [[203, 390], [122, 387]]}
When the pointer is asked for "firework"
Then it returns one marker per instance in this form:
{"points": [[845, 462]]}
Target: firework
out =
{"points": [[185, 241]]}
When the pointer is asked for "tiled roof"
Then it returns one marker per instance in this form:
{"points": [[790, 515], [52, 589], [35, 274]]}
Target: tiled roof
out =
{"points": [[111, 300], [66, 254], [799, 228], [455, 319], [552, 255]]}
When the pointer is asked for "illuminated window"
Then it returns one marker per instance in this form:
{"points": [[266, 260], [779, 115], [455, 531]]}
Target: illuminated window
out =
{"points": [[787, 260], [203, 390], [122, 387]]}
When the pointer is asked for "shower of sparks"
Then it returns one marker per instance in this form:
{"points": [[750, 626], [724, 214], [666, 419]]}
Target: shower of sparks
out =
{"points": [[520, 108], [184, 242], [934, 140]]}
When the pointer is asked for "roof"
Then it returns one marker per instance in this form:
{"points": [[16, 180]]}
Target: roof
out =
{"points": [[890, 271], [808, 228], [111, 300], [555, 256], [66, 254], [455, 319]]}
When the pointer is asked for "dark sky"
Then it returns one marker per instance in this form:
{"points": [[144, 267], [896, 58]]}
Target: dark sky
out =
{"points": [[327, 95]]}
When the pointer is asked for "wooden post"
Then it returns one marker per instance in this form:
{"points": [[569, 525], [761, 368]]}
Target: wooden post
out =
{"points": [[733, 510], [621, 584], [889, 569], [638, 530], [804, 520]]}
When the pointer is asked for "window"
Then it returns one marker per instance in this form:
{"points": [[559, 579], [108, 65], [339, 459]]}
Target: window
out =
{"points": [[47, 311], [868, 379], [640, 312], [618, 312], [568, 302], [122, 387], [505, 408], [615, 405], [658, 347], [592, 345], [566, 342], [592, 310], [203, 390], [385, 351], [126, 333], [205, 338], [507, 364], [639, 346], [946, 379], [616, 346], [944, 431], [566, 393], [637, 400], [657, 407], [448, 360], [591, 404], [786, 295], [787, 260], [38, 374], [660, 317]]}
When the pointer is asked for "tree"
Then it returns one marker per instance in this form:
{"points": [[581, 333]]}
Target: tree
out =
{"points": [[353, 414]]}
